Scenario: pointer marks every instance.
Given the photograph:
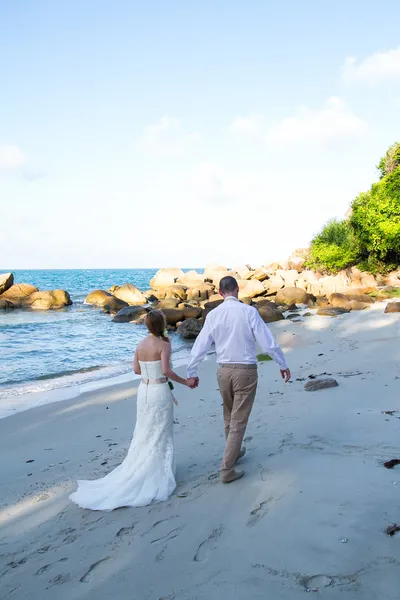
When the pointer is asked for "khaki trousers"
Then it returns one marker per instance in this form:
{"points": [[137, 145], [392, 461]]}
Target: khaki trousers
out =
{"points": [[238, 386]]}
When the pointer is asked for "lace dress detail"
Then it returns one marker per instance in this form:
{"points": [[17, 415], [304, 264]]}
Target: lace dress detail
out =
{"points": [[147, 474]]}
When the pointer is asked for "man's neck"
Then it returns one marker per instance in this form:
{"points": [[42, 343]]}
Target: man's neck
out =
{"points": [[231, 298]]}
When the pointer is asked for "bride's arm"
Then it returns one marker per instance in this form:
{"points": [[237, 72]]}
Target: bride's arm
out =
{"points": [[166, 365], [136, 365]]}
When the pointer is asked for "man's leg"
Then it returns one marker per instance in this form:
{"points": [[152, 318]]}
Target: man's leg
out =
{"points": [[226, 390], [244, 391]]}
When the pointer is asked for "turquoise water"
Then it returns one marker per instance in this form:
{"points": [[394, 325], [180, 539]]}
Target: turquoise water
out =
{"points": [[43, 350]]}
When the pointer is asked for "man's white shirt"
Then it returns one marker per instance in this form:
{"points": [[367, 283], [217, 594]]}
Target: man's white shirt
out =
{"points": [[235, 328]]}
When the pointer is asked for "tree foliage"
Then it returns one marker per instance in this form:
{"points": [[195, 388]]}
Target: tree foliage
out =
{"points": [[370, 237]]}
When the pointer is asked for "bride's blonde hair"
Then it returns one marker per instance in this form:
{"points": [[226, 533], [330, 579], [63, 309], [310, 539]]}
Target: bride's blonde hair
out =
{"points": [[157, 325]]}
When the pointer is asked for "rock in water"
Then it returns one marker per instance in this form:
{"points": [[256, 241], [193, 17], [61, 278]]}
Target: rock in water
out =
{"points": [[114, 305], [130, 314], [331, 311], [131, 295], [6, 305], [189, 329], [6, 281], [392, 307], [98, 298], [47, 300], [320, 384], [18, 292]]}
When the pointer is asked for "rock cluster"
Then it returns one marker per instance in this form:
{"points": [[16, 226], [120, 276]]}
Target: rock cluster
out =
{"points": [[23, 295]]}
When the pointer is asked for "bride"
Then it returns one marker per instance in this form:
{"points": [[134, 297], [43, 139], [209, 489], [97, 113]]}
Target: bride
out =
{"points": [[147, 473]]}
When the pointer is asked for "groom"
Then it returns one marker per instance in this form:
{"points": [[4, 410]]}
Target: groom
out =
{"points": [[235, 328]]}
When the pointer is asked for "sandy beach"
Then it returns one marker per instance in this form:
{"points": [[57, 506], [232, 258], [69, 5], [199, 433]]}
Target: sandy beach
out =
{"points": [[309, 515]]}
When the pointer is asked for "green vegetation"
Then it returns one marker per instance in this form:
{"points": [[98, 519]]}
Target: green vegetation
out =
{"points": [[370, 237], [263, 357]]}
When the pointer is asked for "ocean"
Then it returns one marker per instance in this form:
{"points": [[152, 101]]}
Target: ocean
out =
{"points": [[45, 351]]}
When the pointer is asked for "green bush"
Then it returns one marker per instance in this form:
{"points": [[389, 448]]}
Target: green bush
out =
{"points": [[334, 248], [370, 238]]}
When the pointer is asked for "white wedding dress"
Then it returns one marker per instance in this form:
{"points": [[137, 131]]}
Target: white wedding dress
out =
{"points": [[147, 473]]}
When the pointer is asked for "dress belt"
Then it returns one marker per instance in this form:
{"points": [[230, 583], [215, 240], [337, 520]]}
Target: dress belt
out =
{"points": [[154, 381], [250, 367]]}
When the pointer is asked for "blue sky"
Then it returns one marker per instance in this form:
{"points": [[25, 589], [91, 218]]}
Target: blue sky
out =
{"points": [[140, 134]]}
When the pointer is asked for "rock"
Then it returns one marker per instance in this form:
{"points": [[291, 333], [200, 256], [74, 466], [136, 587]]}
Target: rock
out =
{"points": [[392, 279], [173, 315], [98, 298], [168, 303], [288, 295], [331, 311], [270, 313], [246, 300], [273, 284], [192, 312], [6, 304], [166, 277], [189, 329], [191, 279], [150, 297], [131, 295], [199, 293], [215, 297], [296, 262], [130, 314], [18, 292], [176, 291], [6, 281], [356, 305], [260, 274], [209, 306], [392, 307], [365, 298], [259, 301], [290, 277], [244, 271], [340, 301], [114, 305], [320, 384], [113, 289], [47, 300], [250, 289], [323, 302]]}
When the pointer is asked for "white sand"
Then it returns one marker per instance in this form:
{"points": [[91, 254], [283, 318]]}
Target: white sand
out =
{"points": [[314, 476]]}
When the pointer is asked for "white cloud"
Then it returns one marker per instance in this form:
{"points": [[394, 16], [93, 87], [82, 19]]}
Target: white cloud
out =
{"points": [[333, 122], [374, 68], [11, 158], [167, 139], [251, 126]]}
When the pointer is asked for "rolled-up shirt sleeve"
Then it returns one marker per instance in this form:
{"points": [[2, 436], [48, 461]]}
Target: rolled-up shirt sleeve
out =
{"points": [[200, 348], [266, 340]]}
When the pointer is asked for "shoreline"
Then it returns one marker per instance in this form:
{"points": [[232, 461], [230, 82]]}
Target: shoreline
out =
{"points": [[314, 483]]}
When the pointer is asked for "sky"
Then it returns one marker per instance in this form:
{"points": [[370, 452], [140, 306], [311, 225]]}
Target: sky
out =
{"points": [[157, 134]]}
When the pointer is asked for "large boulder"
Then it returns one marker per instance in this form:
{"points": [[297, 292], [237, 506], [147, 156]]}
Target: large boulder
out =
{"points": [[244, 271], [215, 297], [348, 302], [176, 291], [113, 305], [164, 278], [296, 262], [250, 289], [189, 329], [46, 300], [261, 274], [6, 305], [98, 298], [270, 313], [199, 293], [392, 279], [6, 281], [192, 279], [392, 307], [290, 295], [168, 303], [18, 292], [131, 295], [273, 284], [130, 314], [290, 277], [176, 315]]}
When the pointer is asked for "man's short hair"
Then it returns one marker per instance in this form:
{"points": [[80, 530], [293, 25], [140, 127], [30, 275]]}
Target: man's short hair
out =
{"points": [[228, 284]]}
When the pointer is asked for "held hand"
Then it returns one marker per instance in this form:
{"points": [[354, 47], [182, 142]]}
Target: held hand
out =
{"points": [[193, 382], [285, 374]]}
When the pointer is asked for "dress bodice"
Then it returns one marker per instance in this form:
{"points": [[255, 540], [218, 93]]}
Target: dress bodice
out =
{"points": [[151, 369]]}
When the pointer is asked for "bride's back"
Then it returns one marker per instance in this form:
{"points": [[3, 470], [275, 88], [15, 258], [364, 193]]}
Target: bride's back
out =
{"points": [[150, 349]]}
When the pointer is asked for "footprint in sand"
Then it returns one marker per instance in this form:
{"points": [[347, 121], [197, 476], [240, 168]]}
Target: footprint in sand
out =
{"points": [[169, 536], [88, 576], [260, 511], [125, 530], [47, 567], [208, 545]]}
